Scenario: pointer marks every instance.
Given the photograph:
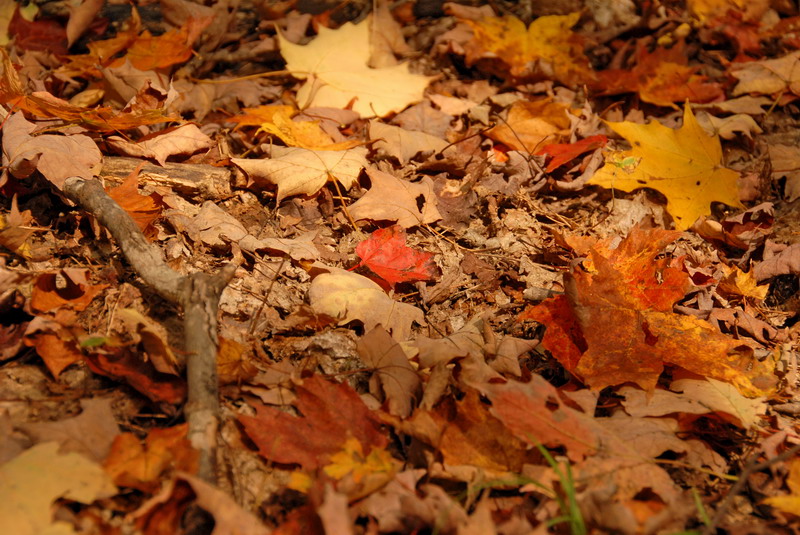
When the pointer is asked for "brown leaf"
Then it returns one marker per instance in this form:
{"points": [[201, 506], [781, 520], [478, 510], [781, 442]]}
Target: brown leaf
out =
{"points": [[393, 199], [398, 379]]}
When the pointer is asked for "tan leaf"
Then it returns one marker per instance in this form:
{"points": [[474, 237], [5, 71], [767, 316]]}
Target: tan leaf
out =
{"points": [[298, 171], [351, 297], [393, 199]]}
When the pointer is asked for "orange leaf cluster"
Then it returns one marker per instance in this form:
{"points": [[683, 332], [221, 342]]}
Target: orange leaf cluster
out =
{"points": [[615, 324]]}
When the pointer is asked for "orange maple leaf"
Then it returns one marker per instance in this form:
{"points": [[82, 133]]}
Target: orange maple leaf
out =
{"points": [[661, 77], [621, 306]]}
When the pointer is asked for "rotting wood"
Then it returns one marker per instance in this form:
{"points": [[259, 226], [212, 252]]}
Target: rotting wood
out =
{"points": [[191, 179]]}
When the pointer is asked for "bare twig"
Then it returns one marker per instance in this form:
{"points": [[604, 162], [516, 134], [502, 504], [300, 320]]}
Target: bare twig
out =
{"points": [[198, 294]]}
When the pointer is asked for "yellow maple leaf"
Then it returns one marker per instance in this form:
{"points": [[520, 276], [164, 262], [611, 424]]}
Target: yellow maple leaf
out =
{"points": [[530, 125], [334, 66], [305, 134], [685, 165], [546, 48]]}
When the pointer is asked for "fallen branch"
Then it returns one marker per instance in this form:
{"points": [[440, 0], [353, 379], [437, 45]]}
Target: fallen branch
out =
{"points": [[197, 294]]}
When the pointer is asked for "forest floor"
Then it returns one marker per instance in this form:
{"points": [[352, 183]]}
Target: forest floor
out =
{"points": [[335, 267]]}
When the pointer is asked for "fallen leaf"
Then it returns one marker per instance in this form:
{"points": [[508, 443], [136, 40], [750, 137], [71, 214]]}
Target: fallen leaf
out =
{"points": [[334, 66], [144, 209], [298, 171], [562, 153], [789, 503], [351, 297], [153, 338], [768, 76], [532, 124], [410, 204], [695, 396], [142, 465], [547, 48], [331, 413], [737, 282], [466, 433], [386, 254], [182, 140], [403, 144], [661, 77], [91, 433], [535, 414], [304, 134], [67, 288], [684, 164], [56, 157], [32, 481], [399, 380], [623, 306], [13, 232]]}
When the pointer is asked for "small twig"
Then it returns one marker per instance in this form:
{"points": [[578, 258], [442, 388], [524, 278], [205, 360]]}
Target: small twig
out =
{"points": [[751, 468], [198, 294]]}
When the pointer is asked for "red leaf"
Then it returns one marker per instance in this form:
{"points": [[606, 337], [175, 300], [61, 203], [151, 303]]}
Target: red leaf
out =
{"points": [[565, 152], [387, 255], [43, 34], [331, 413]]}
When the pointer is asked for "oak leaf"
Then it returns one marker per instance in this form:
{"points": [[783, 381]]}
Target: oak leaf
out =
{"points": [[685, 165], [334, 66], [547, 48], [768, 76], [388, 256]]}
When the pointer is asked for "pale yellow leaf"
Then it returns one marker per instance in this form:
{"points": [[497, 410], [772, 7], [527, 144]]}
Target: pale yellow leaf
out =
{"points": [[334, 66]]}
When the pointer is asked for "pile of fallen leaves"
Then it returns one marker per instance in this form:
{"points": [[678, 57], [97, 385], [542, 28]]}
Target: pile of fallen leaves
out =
{"points": [[529, 271]]}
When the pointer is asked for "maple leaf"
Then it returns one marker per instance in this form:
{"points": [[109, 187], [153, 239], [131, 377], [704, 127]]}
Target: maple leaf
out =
{"points": [[531, 124], [547, 48], [15, 230], [623, 309], [661, 77], [562, 153], [33, 480], [304, 134], [332, 413], [393, 199], [335, 68], [144, 209], [298, 171], [388, 256], [685, 165], [768, 76], [348, 296], [141, 464], [468, 436]]}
